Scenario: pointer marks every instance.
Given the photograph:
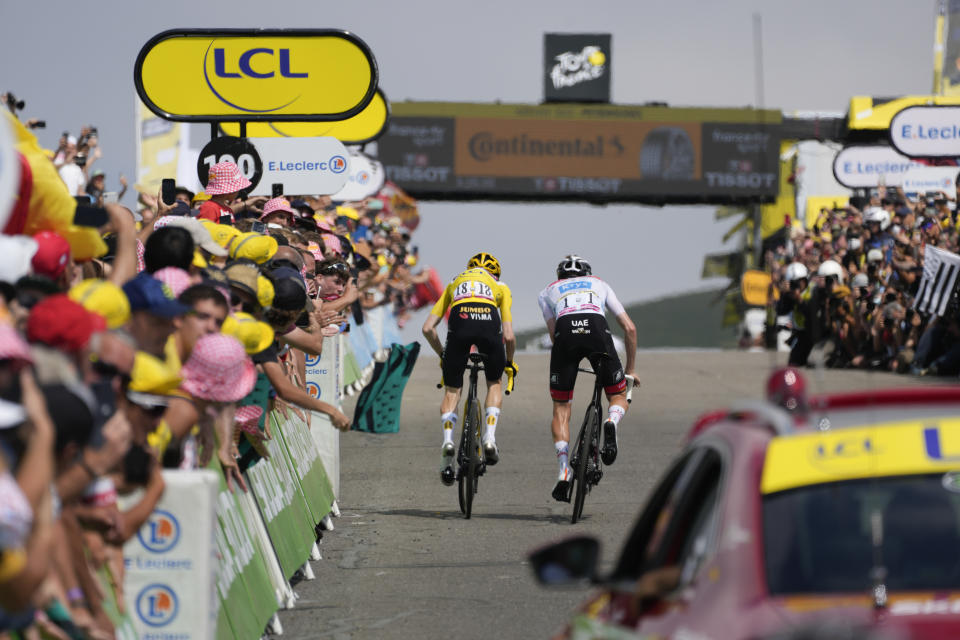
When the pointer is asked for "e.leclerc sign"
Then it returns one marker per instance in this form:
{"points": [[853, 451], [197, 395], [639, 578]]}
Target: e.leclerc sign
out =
{"points": [[248, 75], [926, 131], [302, 165], [866, 166]]}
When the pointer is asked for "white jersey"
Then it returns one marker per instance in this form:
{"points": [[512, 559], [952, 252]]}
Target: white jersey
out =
{"points": [[587, 294]]}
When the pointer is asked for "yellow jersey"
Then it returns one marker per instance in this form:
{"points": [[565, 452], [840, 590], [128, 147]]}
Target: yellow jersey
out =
{"points": [[475, 286]]}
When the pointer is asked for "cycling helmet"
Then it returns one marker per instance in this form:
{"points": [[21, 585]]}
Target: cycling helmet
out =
{"points": [[486, 261], [787, 388], [877, 214], [796, 271], [831, 268], [573, 266]]}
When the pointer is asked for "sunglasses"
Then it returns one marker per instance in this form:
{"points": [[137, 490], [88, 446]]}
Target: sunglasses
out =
{"points": [[334, 269], [154, 411]]}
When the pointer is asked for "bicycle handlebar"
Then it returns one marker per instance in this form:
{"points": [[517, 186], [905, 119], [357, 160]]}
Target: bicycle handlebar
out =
{"points": [[629, 389], [511, 377]]}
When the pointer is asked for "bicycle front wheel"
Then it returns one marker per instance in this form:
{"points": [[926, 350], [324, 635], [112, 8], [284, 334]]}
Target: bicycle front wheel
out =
{"points": [[584, 453], [469, 467]]}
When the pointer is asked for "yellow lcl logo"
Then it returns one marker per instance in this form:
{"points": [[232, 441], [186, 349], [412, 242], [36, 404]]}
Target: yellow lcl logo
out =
{"points": [[256, 75]]}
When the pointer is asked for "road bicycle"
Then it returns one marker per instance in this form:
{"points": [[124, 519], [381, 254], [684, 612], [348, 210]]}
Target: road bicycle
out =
{"points": [[585, 459], [471, 460]]}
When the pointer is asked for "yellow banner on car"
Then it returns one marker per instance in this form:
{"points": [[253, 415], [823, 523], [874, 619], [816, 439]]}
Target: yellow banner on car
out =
{"points": [[366, 126], [246, 74], [876, 113], [888, 449]]}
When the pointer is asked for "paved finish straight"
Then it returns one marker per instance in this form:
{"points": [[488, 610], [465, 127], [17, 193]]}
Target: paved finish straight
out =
{"points": [[404, 563]]}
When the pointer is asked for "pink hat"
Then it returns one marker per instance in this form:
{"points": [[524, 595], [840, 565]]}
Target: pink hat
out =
{"points": [[225, 177], [323, 225], [277, 204], [177, 279], [12, 346], [248, 417], [332, 243], [218, 369]]}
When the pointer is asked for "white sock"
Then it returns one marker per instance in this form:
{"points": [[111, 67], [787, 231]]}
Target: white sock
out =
{"points": [[616, 412], [490, 428], [563, 454], [449, 421]]}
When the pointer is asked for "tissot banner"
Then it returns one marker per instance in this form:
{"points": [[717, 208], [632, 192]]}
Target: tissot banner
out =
{"points": [[576, 67]]}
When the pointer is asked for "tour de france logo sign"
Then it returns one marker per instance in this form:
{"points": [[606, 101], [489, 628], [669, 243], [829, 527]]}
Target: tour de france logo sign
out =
{"points": [[577, 67]]}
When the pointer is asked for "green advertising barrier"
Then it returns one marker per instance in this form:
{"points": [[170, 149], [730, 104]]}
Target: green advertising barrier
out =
{"points": [[284, 509], [351, 371], [247, 599], [123, 626], [304, 458]]}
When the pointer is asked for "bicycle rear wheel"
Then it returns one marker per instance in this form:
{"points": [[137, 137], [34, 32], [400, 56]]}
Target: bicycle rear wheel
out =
{"points": [[584, 454], [469, 466]]}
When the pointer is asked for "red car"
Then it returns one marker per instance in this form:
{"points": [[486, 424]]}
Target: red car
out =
{"points": [[763, 524]]}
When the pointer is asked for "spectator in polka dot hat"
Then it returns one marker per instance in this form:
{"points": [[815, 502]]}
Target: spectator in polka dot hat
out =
{"points": [[224, 185]]}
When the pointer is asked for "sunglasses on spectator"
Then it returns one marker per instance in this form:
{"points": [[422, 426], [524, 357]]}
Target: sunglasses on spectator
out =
{"points": [[334, 269]]}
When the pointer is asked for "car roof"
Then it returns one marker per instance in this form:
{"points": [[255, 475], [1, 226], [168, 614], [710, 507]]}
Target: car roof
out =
{"points": [[865, 435], [848, 435]]}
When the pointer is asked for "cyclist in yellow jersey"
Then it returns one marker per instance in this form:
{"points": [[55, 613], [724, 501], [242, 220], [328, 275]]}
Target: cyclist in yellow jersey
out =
{"points": [[479, 307]]}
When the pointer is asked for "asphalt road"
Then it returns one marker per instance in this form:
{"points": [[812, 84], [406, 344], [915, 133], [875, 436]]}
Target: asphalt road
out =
{"points": [[402, 561]]}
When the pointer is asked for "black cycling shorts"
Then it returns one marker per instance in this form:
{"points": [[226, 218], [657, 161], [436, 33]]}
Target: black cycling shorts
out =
{"points": [[473, 324], [576, 337]]}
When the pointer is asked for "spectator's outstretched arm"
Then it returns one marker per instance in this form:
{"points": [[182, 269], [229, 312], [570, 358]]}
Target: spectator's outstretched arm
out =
{"points": [[310, 342], [18, 588], [289, 392], [93, 463], [134, 517], [125, 262], [36, 468]]}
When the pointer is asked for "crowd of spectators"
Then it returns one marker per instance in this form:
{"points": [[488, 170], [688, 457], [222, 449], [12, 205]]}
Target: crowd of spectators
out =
{"points": [[846, 285], [167, 351]]}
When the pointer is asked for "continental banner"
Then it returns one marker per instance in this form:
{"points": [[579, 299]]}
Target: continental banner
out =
{"points": [[582, 152]]}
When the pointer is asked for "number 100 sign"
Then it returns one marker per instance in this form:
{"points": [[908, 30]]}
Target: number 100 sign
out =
{"points": [[229, 149]]}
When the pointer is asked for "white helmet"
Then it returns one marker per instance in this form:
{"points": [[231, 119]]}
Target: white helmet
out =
{"points": [[831, 268], [796, 271], [877, 214]]}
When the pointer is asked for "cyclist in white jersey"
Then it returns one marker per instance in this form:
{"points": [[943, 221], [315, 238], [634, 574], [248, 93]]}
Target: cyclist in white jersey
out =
{"points": [[573, 307]]}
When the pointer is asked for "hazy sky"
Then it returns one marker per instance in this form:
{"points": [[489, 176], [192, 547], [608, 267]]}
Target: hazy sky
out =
{"points": [[76, 67]]}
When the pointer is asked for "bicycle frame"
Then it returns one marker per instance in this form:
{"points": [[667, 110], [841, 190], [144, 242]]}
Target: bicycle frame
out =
{"points": [[585, 461], [470, 457]]}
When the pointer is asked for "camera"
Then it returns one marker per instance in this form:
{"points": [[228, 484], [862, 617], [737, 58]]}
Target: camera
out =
{"points": [[12, 103], [80, 160]]}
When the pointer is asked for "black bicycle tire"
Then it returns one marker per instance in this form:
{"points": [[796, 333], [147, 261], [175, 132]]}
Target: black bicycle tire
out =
{"points": [[461, 472], [583, 460], [469, 474]]}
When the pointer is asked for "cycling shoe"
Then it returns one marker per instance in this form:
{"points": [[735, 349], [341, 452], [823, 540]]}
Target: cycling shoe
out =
{"points": [[609, 452]]}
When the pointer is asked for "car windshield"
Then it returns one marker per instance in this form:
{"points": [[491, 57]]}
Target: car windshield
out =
{"points": [[819, 538]]}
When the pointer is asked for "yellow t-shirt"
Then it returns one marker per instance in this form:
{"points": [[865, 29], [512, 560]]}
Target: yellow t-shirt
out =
{"points": [[475, 286]]}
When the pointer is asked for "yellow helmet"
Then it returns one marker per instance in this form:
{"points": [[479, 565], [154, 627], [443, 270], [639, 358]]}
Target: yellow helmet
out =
{"points": [[487, 261]]}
